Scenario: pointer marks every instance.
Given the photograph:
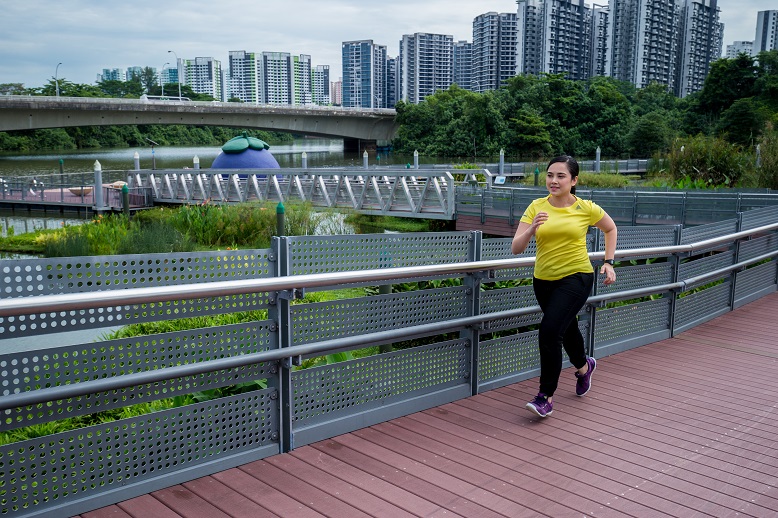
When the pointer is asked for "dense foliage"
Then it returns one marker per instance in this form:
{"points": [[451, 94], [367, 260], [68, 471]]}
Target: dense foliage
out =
{"points": [[539, 116]]}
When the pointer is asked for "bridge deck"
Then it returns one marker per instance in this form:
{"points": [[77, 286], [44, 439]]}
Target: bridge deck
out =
{"points": [[681, 427]]}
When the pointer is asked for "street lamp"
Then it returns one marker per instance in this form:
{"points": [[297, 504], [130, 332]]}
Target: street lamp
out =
{"points": [[161, 80], [178, 73], [56, 81]]}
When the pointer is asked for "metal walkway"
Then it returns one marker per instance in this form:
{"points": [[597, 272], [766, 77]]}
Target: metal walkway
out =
{"points": [[681, 427]]}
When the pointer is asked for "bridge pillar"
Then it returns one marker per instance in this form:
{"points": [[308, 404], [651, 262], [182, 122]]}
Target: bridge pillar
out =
{"points": [[358, 145]]}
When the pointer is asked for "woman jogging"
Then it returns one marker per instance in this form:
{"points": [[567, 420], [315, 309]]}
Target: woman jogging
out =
{"points": [[563, 276]]}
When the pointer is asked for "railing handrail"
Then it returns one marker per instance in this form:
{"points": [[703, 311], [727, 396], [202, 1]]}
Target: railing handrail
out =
{"points": [[18, 306]]}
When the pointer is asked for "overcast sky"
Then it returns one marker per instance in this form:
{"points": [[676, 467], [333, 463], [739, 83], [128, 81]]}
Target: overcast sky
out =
{"points": [[89, 35]]}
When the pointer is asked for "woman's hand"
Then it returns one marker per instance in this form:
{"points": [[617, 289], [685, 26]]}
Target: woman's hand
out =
{"points": [[609, 272], [539, 219]]}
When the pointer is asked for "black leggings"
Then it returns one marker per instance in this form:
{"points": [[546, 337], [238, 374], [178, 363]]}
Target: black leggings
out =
{"points": [[560, 300]]}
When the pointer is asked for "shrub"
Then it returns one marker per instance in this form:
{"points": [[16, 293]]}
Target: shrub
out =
{"points": [[707, 161]]}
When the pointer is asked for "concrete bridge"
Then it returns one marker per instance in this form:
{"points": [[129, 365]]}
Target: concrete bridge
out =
{"points": [[359, 128]]}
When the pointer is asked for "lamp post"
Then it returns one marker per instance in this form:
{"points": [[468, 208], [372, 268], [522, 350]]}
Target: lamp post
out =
{"points": [[56, 81], [162, 81], [178, 73]]}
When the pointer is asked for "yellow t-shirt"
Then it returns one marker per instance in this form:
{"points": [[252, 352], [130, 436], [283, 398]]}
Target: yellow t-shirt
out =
{"points": [[561, 240]]}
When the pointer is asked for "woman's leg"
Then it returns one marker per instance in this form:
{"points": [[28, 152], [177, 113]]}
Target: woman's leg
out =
{"points": [[560, 300]]}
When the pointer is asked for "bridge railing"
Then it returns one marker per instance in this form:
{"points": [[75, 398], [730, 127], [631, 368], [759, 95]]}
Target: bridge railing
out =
{"points": [[464, 322], [410, 193], [630, 207]]}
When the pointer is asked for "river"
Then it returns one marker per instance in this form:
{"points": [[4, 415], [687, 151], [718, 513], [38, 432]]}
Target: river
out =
{"points": [[320, 152]]}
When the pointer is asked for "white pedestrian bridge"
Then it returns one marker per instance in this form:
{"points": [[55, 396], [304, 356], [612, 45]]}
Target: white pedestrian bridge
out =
{"points": [[38, 112]]}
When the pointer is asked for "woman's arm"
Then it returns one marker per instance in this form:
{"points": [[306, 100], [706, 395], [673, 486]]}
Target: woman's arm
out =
{"points": [[608, 228], [525, 232]]}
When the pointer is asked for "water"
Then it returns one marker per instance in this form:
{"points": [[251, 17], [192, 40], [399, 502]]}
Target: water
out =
{"points": [[321, 152]]}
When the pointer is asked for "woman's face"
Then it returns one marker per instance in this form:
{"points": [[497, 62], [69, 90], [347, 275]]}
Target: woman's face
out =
{"points": [[559, 182]]}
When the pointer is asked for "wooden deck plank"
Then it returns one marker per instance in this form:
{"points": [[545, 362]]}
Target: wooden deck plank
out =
{"points": [[276, 502], [186, 503], [225, 498], [681, 427], [294, 487], [404, 500]]}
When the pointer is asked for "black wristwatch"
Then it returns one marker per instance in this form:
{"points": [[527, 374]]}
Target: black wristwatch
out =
{"points": [[609, 261]]}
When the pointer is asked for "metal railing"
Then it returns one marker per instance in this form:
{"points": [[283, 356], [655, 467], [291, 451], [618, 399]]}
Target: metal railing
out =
{"points": [[478, 330]]}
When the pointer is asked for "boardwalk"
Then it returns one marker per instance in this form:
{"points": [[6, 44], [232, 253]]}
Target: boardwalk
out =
{"points": [[683, 427]]}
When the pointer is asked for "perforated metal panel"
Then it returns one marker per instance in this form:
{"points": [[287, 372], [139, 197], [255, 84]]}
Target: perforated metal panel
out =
{"points": [[325, 254], [500, 248], [28, 277], [654, 207], [699, 265], [43, 473], [758, 217], [757, 246], [625, 321], [327, 320], [705, 207], [508, 355], [642, 236], [345, 388], [701, 305], [755, 279], [708, 231], [33, 370], [635, 277], [507, 298]]}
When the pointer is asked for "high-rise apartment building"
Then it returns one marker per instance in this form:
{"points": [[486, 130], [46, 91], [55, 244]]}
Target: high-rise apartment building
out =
{"points": [[463, 64], [243, 76], [336, 91], [112, 74], [426, 65], [133, 72], [364, 74], [554, 37], [701, 38], [601, 53], [168, 75], [739, 47], [277, 70], [645, 41], [766, 37], [392, 81], [301, 80], [495, 39], [204, 76], [320, 84]]}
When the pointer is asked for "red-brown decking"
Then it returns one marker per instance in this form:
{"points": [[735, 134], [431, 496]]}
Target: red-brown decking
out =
{"points": [[683, 427]]}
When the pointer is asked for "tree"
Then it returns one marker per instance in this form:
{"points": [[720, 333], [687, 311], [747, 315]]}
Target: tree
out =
{"points": [[742, 123], [12, 89], [650, 134], [148, 78], [727, 81], [531, 135]]}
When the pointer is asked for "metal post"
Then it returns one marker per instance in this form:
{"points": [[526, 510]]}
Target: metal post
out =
{"points": [[56, 80], [365, 160], [502, 161], [61, 181], [136, 160], [305, 159], [415, 159], [126, 200], [280, 219], [537, 175], [597, 161], [196, 162], [98, 196]]}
